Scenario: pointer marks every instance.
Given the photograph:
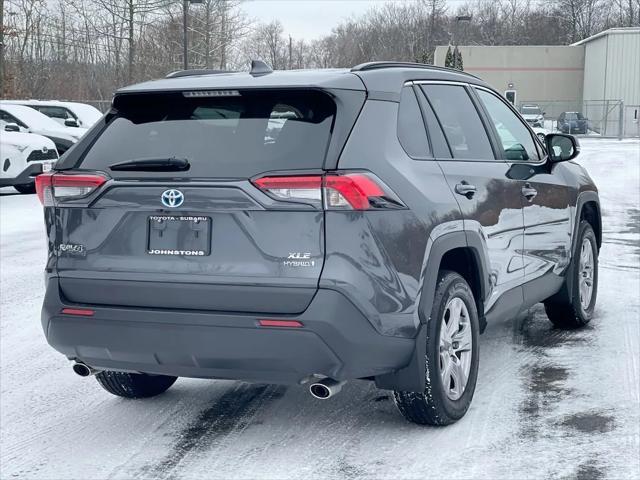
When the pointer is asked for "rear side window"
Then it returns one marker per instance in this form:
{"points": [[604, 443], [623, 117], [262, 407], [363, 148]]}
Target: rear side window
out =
{"points": [[460, 122], [438, 140], [411, 131], [235, 136]]}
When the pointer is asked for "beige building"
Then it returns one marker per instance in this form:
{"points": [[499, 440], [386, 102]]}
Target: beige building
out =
{"points": [[536, 73], [599, 76]]}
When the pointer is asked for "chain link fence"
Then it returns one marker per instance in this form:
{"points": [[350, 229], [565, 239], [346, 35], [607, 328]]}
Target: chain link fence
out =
{"points": [[606, 118]]}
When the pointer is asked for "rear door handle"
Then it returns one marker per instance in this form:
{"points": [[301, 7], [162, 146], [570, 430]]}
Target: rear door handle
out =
{"points": [[529, 192], [464, 188]]}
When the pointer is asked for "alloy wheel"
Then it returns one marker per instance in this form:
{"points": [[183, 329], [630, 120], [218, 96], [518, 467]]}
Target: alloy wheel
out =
{"points": [[456, 344], [585, 278]]}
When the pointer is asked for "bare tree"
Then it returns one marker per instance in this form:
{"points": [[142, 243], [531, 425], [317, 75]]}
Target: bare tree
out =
{"points": [[84, 49]]}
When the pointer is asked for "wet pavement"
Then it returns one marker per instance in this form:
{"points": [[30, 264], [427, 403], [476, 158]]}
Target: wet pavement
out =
{"points": [[549, 403]]}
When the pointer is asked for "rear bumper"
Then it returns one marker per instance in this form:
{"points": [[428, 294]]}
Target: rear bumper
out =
{"points": [[25, 178], [336, 341]]}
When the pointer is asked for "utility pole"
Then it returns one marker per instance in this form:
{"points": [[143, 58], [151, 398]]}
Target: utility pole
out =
{"points": [[1, 48], [185, 36], [460, 18], [457, 56]]}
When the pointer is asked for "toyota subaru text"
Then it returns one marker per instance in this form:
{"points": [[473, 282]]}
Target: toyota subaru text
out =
{"points": [[312, 227]]}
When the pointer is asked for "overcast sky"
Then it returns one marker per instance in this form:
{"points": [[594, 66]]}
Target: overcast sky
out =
{"points": [[308, 19]]}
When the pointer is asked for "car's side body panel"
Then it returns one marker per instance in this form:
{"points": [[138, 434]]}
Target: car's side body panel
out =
{"points": [[377, 256]]}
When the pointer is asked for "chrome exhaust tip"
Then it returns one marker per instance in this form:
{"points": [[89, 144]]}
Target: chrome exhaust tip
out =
{"points": [[83, 370], [325, 389]]}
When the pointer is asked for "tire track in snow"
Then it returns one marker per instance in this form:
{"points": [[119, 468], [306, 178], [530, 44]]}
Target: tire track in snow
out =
{"points": [[233, 411]]}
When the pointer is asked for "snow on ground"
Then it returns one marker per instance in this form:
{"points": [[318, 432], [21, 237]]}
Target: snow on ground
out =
{"points": [[549, 403]]}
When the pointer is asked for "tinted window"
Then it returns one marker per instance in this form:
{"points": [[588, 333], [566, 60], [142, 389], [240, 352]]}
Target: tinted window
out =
{"points": [[460, 122], [515, 137], [55, 112], [8, 118], [411, 131], [222, 137]]}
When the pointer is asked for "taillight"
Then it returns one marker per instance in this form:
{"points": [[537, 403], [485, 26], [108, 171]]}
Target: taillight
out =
{"points": [[356, 191], [64, 186], [301, 188], [344, 191]]}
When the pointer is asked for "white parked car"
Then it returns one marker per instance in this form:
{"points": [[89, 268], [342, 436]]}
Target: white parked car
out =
{"points": [[541, 132], [69, 114], [533, 115], [23, 156], [18, 118]]}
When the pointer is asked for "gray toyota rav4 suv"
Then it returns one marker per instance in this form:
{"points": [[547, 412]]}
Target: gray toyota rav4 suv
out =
{"points": [[312, 227]]}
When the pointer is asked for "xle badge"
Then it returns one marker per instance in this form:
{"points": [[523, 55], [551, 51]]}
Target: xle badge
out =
{"points": [[297, 259]]}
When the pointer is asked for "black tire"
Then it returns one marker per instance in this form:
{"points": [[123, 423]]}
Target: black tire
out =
{"points": [[434, 407], [26, 189], [134, 385], [564, 309]]}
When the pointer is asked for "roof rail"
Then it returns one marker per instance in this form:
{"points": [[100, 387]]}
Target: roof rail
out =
{"points": [[363, 67], [196, 71]]}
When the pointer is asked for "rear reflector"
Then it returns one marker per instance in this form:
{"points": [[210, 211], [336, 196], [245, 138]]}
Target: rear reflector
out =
{"points": [[344, 191], [63, 186], [82, 312], [280, 323]]}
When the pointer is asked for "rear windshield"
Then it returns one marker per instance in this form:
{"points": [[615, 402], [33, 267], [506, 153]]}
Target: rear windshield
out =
{"points": [[531, 110], [236, 135], [574, 116]]}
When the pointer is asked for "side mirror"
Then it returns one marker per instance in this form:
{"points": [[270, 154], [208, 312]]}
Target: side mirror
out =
{"points": [[544, 113], [11, 127], [562, 147], [70, 122]]}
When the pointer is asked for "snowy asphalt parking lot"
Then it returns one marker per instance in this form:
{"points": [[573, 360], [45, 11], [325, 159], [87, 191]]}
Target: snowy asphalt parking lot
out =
{"points": [[549, 403]]}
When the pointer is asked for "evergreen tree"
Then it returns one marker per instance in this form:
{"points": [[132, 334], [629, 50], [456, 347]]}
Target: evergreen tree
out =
{"points": [[457, 59], [449, 60]]}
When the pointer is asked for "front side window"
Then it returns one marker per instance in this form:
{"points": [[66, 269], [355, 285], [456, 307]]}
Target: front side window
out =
{"points": [[460, 122], [515, 138]]}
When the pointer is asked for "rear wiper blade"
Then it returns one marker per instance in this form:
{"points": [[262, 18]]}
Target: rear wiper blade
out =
{"points": [[153, 165]]}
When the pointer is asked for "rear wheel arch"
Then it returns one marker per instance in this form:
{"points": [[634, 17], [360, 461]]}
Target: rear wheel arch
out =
{"points": [[466, 262], [461, 250]]}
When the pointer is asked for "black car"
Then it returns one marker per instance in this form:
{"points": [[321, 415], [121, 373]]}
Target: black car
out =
{"points": [[312, 227], [573, 122]]}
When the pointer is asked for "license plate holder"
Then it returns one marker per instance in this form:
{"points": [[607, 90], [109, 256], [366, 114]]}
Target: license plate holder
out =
{"points": [[179, 235]]}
